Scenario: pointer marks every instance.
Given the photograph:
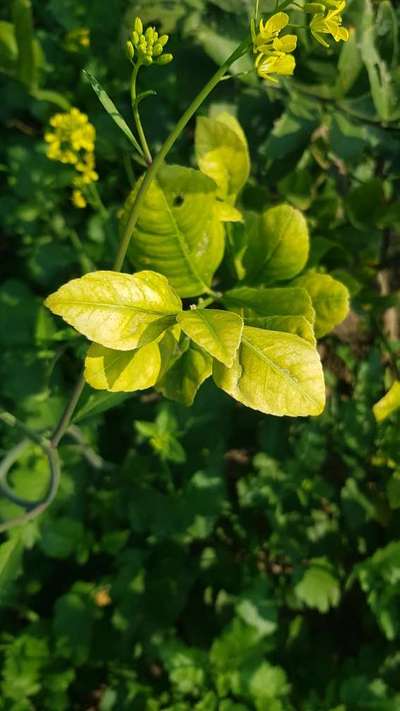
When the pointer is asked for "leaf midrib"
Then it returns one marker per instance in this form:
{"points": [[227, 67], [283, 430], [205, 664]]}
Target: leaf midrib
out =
{"points": [[184, 248], [97, 304]]}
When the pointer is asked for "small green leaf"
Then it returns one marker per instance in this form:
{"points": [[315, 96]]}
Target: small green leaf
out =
{"points": [[387, 405], [278, 244], [182, 381], [222, 154], [218, 332], [122, 371], [319, 587], [177, 232], [112, 110], [28, 55], [276, 373], [118, 311], [330, 299]]}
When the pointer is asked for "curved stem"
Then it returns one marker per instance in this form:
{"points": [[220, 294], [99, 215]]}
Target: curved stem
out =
{"points": [[35, 508], [136, 115]]}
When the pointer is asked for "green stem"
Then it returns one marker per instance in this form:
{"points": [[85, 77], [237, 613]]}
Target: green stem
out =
{"points": [[12, 421], [166, 147], [136, 115], [86, 263], [68, 412], [61, 428]]}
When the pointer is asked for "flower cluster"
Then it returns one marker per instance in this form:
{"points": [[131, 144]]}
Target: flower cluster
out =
{"points": [[147, 46], [72, 142], [327, 20], [274, 52]]}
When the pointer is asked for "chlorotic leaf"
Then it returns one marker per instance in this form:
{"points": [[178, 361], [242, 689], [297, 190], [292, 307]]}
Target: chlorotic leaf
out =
{"points": [[122, 371], [387, 405], [182, 381], [286, 309], [286, 301], [218, 332], [226, 212], [278, 244], [330, 299], [178, 233], [275, 373], [119, 311], [222, 154]]}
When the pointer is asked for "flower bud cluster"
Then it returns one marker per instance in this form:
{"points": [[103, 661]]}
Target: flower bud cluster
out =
{"points": [[146, 47]]}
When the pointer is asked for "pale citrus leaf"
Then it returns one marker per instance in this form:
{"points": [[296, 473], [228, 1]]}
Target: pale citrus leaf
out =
{"points": [[330, 299], [119, 311], [178, 233], [278, 244], [275, 373], [283, 301], [388, 404], [222, 153], [218, 332], [122, 371]]}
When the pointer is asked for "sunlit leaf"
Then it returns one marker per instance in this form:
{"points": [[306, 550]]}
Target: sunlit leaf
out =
{"points": [[218, 332], [119, 311], [278, 244], [122, 371], [178, 233], [275, 373], [222, 153], [388, 404], [330, 299]]}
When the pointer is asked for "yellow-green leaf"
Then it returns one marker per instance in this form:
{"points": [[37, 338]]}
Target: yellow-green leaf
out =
{"points": [[278, 244], [122, 371], [277, 309], [182, 381], [178, 233], [275, 373], [226, 212], [222, 153], [283, 301], [119, 311], [330, 299], [388, 404], [218, 332]]}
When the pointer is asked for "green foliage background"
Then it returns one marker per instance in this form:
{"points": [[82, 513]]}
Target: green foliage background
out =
{"points": [[211, 558]]}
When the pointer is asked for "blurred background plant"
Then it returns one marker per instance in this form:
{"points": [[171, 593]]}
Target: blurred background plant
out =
{"points": [[214, 558]]}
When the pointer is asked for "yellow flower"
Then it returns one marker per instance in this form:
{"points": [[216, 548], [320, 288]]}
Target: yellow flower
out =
{"points": [[72, 142], [273, 52], [329, 24], [268, 35], [78, 199], [276, 63]]}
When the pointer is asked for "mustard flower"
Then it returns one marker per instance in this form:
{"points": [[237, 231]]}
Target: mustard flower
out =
{"points": [[329, 24]]}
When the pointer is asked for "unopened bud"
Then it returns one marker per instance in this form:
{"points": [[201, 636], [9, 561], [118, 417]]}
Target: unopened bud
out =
{"points": [[130, 49], [149, 34], [315, 8], [158, 50], [163, 40], [138, 26], [165, 59], [135, 38]]}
